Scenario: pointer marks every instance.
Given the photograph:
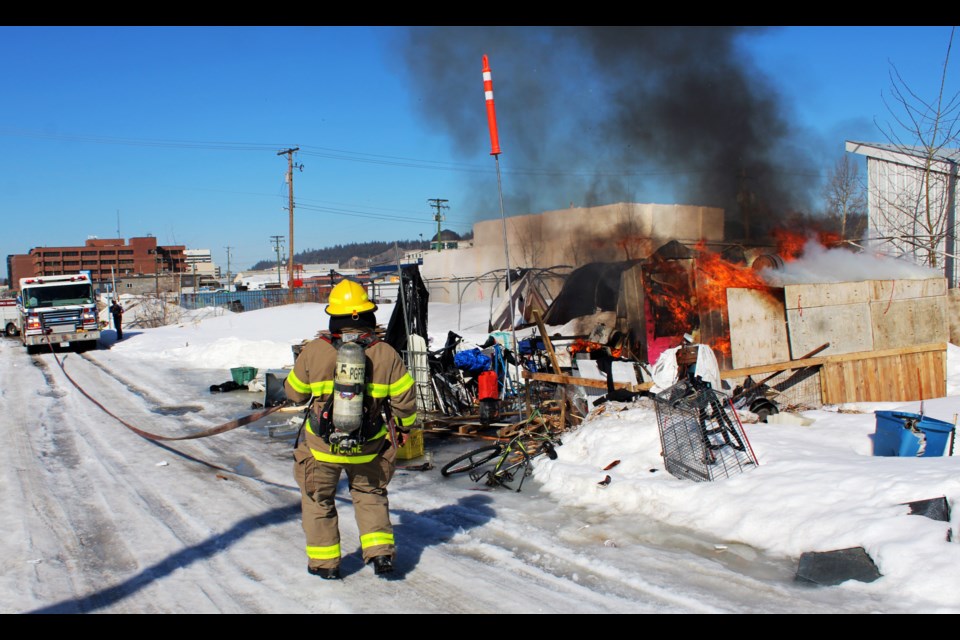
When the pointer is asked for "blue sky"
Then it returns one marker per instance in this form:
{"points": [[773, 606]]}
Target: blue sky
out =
{"points": [[175, 131]]}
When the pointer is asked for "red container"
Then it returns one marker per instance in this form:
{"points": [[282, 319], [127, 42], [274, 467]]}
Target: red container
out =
{"points": [[487, 386]]}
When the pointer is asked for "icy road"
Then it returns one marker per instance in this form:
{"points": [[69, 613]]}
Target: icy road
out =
{"points": [[97, 519]]}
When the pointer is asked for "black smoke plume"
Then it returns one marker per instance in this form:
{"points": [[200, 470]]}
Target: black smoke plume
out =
{"points": [[599, 115]]}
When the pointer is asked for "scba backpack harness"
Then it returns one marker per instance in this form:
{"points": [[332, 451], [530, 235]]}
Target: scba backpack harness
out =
{"points": [[345, 420]]}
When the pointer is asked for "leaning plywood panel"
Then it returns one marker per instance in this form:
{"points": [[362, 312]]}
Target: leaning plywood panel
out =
{"points": [[758, 328], [846, 327], [900, 323]]}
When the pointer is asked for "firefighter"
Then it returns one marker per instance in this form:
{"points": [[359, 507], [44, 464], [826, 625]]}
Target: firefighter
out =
{"points": [[368, 454]]}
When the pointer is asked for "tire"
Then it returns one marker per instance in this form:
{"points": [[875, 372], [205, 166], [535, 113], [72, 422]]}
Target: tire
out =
{"points": [[471, 460], [763, 408], [11, 330]]}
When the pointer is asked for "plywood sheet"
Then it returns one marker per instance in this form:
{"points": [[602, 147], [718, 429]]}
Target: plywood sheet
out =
{"points": [[758, 328], [804, 296], [906, 289], [900, 323], [847, 327]]}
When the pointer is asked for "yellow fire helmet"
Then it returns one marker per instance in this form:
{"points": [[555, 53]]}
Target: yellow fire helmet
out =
{"points": [[348, 298]]}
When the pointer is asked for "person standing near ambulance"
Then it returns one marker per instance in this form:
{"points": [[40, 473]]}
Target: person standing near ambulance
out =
{"points": [[117, 312], [361, 404]]}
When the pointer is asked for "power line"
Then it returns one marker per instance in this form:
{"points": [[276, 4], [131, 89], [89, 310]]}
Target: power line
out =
{"points": [[358, 214], [378, 159]]}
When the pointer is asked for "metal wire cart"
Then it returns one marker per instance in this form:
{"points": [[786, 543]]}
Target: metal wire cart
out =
{"points": [[700, 433]]}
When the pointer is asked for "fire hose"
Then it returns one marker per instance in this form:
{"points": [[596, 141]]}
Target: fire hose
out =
{"points": [[223, 428]]}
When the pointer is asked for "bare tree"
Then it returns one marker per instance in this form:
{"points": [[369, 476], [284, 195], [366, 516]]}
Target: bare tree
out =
{"points": [[846, 197], [528, 232], [914, 200]]}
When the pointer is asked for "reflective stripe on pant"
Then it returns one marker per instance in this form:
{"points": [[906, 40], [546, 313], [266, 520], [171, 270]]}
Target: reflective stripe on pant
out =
{"points": [[368, 489]]}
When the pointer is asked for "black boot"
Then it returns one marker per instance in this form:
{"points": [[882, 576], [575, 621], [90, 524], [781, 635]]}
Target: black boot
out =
{"points": [[326, 574], [382, 565]]}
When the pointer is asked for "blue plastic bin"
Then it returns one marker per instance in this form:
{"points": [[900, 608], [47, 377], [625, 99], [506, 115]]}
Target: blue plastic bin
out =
{"points": [[909, 435]]}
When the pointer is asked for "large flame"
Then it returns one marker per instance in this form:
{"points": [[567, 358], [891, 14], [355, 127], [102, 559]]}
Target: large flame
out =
{"points": [[679, 300], [716, 275]]}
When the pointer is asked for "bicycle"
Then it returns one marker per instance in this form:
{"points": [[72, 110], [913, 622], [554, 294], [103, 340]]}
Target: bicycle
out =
{"points": [[511, 460]]}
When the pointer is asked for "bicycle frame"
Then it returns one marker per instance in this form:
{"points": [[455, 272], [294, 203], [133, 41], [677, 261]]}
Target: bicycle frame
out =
{"points": [[511, 459], [505, 471]]}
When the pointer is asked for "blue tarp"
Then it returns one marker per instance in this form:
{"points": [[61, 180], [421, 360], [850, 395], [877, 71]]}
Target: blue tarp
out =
{"points": [[471, 361]]}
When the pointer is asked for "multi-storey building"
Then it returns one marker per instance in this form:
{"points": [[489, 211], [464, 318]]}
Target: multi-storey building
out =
{"points": [[200, 261], [103, 258]]}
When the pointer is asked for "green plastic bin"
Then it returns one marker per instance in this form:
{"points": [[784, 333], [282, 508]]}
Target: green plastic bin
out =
{"points": [[243, 375]]}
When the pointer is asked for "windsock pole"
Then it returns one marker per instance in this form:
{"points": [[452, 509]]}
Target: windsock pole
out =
{"points": [[491, 108], [495, 152]]}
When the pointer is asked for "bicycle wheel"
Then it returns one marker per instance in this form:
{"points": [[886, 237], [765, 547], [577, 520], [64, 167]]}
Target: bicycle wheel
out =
{"points": [[471, 460]]}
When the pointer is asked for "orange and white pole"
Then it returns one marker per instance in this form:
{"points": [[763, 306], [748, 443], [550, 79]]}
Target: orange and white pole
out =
{"points": [[495, 152], [491, 108]]}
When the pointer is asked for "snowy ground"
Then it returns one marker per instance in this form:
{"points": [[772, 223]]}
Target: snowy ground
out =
{"points": [[99, 519]]}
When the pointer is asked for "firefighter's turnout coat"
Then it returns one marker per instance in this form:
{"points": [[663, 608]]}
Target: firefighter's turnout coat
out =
{"points": [[369, 465]]}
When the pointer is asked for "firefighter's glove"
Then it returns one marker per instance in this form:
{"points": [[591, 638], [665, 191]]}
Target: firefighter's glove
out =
{"points": [[401, 432]]}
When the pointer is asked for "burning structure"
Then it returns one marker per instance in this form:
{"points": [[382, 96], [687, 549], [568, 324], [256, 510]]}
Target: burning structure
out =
{"points": [[878, 337], [877, 326]]}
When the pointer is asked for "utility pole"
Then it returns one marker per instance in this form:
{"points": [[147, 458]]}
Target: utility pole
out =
{"points": [[438, 204], [228, 267], [276, 241], [290, 165]]}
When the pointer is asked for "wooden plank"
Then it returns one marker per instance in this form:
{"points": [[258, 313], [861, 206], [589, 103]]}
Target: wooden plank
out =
{"points": [[583, 382], [874, 377], [758, 328], [847, 327], [546, 341], [806, 296], [933, 375], [898, 323], [831, 387], [816, 361]]}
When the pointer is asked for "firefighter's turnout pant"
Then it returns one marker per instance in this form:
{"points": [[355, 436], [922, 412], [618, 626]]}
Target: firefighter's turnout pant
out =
{"points": [[368, 488]]}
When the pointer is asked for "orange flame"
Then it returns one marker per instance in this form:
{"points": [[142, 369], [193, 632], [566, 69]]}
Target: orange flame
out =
{"points": [[790, 244], [587, 346], [717, 275], [714, 275]]}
